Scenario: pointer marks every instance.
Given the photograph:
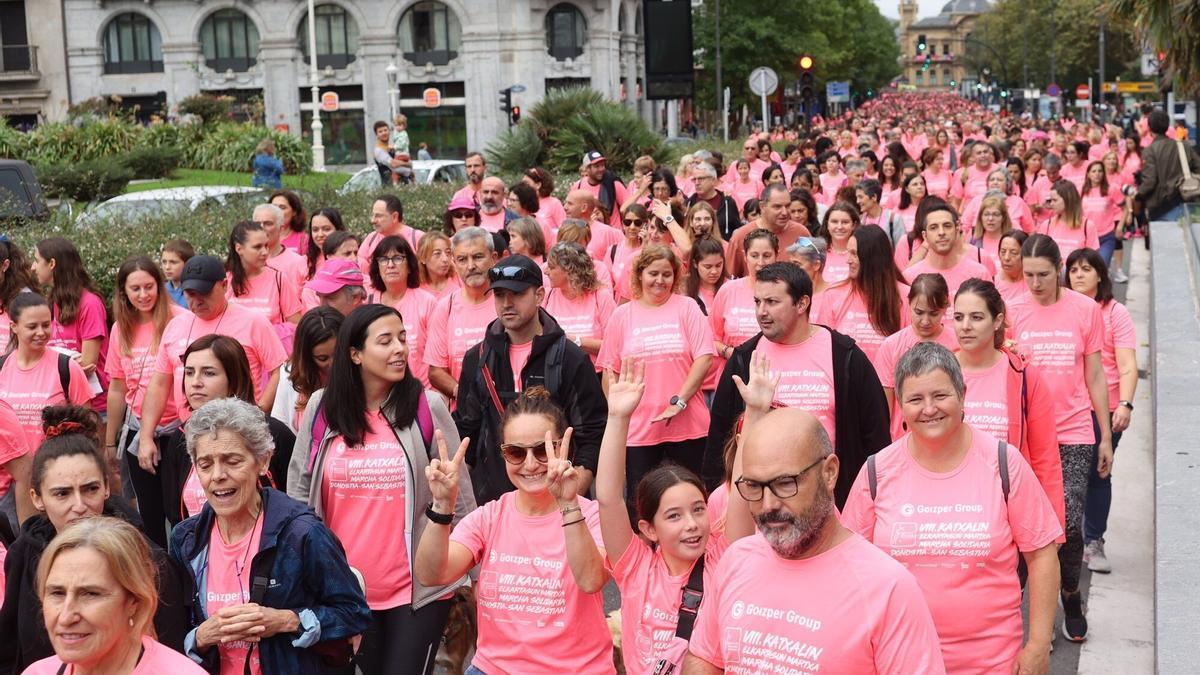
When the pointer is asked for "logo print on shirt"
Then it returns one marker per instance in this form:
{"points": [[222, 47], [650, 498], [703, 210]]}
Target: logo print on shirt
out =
{"points": [[739, 608], [907, 510]]}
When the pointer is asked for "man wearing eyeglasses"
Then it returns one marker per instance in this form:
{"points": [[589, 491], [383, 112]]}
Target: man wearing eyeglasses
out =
{"points": [[821, 371], [816, 570], [704, 176], [523, 348], [387, 219]]}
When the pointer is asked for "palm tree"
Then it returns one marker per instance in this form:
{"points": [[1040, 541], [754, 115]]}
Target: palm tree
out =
{"points": [[1171, 27]]}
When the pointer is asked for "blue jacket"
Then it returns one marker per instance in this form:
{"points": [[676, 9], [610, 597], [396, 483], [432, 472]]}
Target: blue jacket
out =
{"points": [[268, 171], [310, 576]]}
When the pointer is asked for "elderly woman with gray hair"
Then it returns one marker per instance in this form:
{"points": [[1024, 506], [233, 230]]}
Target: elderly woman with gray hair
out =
{"points": [[958, 507], [274, 593]]}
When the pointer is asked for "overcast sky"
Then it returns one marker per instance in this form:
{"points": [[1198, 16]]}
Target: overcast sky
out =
{"points": [[890, 8]]}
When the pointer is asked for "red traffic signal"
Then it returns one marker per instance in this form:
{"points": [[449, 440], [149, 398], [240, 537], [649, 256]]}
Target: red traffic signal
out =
{"points": [[515, 114]]}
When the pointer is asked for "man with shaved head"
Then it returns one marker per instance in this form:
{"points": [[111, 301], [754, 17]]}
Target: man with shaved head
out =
{"points": [[582, 204], [818, 570]]}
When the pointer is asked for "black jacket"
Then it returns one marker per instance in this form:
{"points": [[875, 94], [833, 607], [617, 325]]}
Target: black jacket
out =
{"points": [[728, 216], [578, 393], [861, 414], [1161, 173], [24, 633]]}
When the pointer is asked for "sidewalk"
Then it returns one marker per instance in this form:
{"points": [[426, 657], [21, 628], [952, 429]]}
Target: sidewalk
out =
{"points": [[1121, 604]]}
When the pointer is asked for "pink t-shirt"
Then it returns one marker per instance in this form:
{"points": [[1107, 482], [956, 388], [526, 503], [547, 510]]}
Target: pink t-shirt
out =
{"points": [[1018, 213], [453, 283], [454, 327], [272, 295], [1071, 238], [648, 587], [293, 266], [1009, 290], [364, 489], [960, 539], [415, 308], [1075, 174], [5, 331], [518, 356], [193, 497], [741, 192], [602, 241], [264, 351], [732, 312], [986, 403], [1056, 339], [30, 390], [1103, 210], [91, 323], [848, 315], [938, 184], [156, 660], [532, 616], [967, 267], [805, 373], [622, 264], [668, 339], [767, 614], [228, 584], [586, 316], [371, 242], [296, 241], [1118, 334], [550, 214], [492, 222], [888, 355], [976, 182], [837, 267], [830, 184], [13, 444], [137, 367]]}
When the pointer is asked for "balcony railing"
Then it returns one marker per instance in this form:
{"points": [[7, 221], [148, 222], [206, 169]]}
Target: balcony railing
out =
{"points": [[18, 59]]}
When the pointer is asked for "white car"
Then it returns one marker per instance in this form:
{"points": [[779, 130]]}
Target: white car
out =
{"points": [[134, 206], [427, 172]]}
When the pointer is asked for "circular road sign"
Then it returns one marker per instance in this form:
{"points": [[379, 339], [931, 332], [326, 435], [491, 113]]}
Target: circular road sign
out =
{"points": [[763, 81]]}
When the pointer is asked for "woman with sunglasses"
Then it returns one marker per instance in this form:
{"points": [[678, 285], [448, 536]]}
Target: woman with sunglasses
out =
{"points": [[364, 442], [396, 281], [633, 221], [461, 213], [435, 258], [539, 549]]}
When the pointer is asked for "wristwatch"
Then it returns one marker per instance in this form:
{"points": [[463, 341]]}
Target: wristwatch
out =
{"points": [[1127, 404], [675, 400], [439, 518], [668, 219]]}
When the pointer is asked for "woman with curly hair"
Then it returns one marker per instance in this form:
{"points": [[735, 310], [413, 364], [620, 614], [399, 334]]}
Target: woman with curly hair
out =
{"points": [[576, 298]]}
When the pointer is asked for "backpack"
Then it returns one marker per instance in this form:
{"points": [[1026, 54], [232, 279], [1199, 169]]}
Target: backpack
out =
{"points": [[1001, 450], [64, 373], [320, 425]]}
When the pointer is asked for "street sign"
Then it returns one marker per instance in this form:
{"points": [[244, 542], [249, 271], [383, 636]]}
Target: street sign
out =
{"points": [[837, 92], [1130, 88], [432, 97], [763, 81], [1053, 89], [1083, 92], [329, 101], [517, 88], [1150, 64]]}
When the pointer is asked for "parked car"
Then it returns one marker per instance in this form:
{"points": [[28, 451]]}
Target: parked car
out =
{"points": [[425, 172], [134, 206], [20, 193]]}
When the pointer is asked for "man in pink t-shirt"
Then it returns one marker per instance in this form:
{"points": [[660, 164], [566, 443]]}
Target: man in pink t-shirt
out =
{"points": [[460, 319], [816, 570], [476, 167], [946, 255], [581, 204], [604, 185], [387, 217], [492, 214], [281, 258]]}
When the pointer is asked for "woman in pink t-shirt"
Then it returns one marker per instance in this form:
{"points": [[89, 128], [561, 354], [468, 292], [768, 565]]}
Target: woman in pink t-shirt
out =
{"points": [[575, 298], [142, 310], [324, 222], [871, 304], [992, 223], [841, 221], [436, 261], [745, 187], [294, 218], [732, 315], [30, 377], [364, 444], [1010, 275], [550, 212], [928, 300], [98, 581], [1102, 204], [961, 483], [308, 369], [705, 278], [1089, 276], [670, 333], [538, 550], [259, 288], [15, 276], [620, 257], [672, 516], [1067, 225], [80, 319], [831, 177], [395, 276], [937, 178], [1062, 333]]}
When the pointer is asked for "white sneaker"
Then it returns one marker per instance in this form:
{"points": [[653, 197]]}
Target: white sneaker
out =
{"points": [[1093, 555], [1119, 277]]}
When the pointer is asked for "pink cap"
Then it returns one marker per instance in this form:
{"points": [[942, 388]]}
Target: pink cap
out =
{"points": [[334, 275], [462, 202]]}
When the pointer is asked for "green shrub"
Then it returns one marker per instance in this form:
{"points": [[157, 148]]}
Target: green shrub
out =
{"points": [[151, 162], [230, 147], [210, 109], [162, 136], [85, 181], [13, 143]]}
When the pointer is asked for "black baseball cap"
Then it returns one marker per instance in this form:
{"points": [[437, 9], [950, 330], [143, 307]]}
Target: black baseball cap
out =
{"points": [[200, 274], [515, 273]]}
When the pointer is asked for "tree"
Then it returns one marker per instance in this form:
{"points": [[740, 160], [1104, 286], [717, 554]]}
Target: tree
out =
{"points": [[1169, 27], [1021, 41], [848, 40]]}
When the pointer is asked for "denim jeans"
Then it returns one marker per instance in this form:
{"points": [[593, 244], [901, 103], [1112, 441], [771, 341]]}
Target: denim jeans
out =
{"points": [[1099, 496], [1108, 243]]}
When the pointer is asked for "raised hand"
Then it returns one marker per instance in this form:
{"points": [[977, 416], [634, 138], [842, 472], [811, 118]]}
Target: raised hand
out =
{"points": [[660, 209], [625, 393], [759, 392], [562, 478], [443, 472]]}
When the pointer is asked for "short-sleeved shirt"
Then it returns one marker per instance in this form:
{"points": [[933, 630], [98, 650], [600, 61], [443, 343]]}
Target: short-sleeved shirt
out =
{"points": [[806, 378], [967, 267], [1118, 334], [156, 659], [12, 444], [668, 339], [1071, 238], [228, 584], [416, 307], [455, 325], [585, 316], [292, 265], [1056, 338], [960, 538], [29, 390], [91, 323], [272, 295], [732, 313], [848, 314], [136, 368], [768, 614], [532, 615]]}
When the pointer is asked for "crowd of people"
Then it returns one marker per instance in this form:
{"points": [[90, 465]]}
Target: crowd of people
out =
{"points": [[878, 367]]}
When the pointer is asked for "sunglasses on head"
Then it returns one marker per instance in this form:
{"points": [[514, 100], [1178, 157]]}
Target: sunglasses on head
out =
{"points": [[513, 273], [515, 453]]}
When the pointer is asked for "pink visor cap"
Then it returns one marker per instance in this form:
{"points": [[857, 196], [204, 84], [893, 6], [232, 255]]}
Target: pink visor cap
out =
{"points": [[335, 275]]}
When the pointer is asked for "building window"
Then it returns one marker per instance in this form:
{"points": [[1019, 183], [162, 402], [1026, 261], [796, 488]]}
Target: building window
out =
{"points": [[430, 33], [565, 32], [229, 41], [946, 49], [946, 77], [132, 45], [337, 37]]}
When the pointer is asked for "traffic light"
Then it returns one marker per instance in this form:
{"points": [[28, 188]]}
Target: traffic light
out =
{"points": [[514, 115], [805, 62], [928, 62], [506, 103], [922, 45], [807, 79], [953, 83], [1003, 93]]}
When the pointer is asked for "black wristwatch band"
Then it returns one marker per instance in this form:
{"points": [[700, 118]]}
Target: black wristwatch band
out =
{"points": [[1127, 404], [439, 518]]}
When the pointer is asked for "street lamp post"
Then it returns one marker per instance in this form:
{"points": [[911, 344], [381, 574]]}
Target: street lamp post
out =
{"points": [[393, 77], [318, 147]]}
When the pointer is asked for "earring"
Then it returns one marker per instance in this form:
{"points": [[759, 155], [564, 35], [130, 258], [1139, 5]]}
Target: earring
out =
{"points": [[131, 622]]}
